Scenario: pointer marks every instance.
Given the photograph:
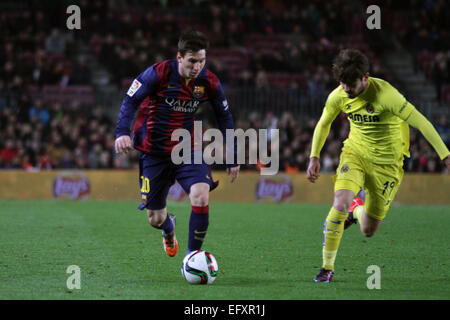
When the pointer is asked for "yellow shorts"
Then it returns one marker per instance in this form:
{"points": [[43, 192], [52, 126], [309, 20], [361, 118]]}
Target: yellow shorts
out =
{"points": [[379, 181]]}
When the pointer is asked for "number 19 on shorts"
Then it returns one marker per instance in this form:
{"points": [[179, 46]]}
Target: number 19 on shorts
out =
{"points": [[387, 191]]}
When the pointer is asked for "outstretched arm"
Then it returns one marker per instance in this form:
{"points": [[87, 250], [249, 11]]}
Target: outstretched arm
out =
{"points": [[418, 121], [399, 106]]}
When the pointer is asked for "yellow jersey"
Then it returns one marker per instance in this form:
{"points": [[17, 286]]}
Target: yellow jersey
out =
{"points": [[378, 131]]}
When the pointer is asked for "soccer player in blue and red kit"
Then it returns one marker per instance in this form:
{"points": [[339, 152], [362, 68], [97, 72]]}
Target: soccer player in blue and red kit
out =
{"points": [[166, 96]]}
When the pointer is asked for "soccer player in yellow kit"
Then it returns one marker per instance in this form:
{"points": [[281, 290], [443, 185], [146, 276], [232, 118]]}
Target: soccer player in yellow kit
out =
{"points": [[372, 156]]}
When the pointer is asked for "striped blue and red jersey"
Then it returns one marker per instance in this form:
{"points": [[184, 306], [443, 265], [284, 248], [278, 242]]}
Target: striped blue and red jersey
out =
{"points": [[166, 101]]}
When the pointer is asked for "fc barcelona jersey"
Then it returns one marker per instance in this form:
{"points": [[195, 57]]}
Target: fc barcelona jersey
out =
{"points": [[165, 101]]}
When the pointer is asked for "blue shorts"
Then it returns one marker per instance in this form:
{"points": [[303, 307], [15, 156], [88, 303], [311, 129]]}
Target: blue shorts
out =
{"points": [[158, 174]]}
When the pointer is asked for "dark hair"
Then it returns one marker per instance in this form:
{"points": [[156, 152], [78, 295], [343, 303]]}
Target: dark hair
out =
{"points": [[192, 40], [350, 65]]}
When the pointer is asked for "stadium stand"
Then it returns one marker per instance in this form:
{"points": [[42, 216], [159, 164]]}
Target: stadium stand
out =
{"points": [[423, 28], [273, 59]]}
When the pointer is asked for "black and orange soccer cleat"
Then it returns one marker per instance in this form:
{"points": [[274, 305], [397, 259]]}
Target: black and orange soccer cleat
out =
{"points": [[170, 241]]}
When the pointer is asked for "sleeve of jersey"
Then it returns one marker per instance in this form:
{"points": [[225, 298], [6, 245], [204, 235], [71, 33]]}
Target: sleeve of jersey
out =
{"points": [[397, 103], [224, 118], [330, 112], [141, 88], [418, 121]]}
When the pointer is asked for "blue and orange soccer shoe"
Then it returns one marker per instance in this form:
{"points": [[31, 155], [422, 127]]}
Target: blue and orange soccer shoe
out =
{"points": [[324, 276], [170, 241], [350, 219]]}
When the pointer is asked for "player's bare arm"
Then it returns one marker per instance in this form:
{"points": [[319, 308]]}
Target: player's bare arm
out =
{"points": [[123, 144]]}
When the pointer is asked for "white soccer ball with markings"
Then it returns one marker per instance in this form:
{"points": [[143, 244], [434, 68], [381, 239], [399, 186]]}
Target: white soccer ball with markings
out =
{"points": [[199, 267]]}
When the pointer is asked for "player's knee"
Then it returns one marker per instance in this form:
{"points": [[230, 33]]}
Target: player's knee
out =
{"points": [[341, 205], [200, 199], [199, 195], [368, 232], [342, 201]]}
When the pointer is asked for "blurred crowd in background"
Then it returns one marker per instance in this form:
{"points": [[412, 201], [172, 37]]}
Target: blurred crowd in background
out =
{"points": [[423, 27], [287, 45]]}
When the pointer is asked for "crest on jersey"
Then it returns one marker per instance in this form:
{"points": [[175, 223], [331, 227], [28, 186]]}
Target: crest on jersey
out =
{"points": [[370, 108], [199, 92], [345, 168]]}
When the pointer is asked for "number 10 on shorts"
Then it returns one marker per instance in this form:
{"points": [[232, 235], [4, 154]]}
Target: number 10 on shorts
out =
{"points": [[145, 185]]}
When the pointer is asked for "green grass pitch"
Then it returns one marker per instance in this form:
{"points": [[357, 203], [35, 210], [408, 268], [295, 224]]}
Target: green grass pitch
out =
{"points": [[264, 251]]}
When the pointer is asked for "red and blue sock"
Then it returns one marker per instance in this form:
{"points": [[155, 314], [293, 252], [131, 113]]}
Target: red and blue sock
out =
{"points": [[198, 225], [167, 225]]}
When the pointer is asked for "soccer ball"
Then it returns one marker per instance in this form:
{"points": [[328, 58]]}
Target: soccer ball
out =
{"points": [[199, 267]]}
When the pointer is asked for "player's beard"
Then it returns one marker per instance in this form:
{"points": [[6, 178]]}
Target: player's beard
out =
{"points": [[353, 95]]}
